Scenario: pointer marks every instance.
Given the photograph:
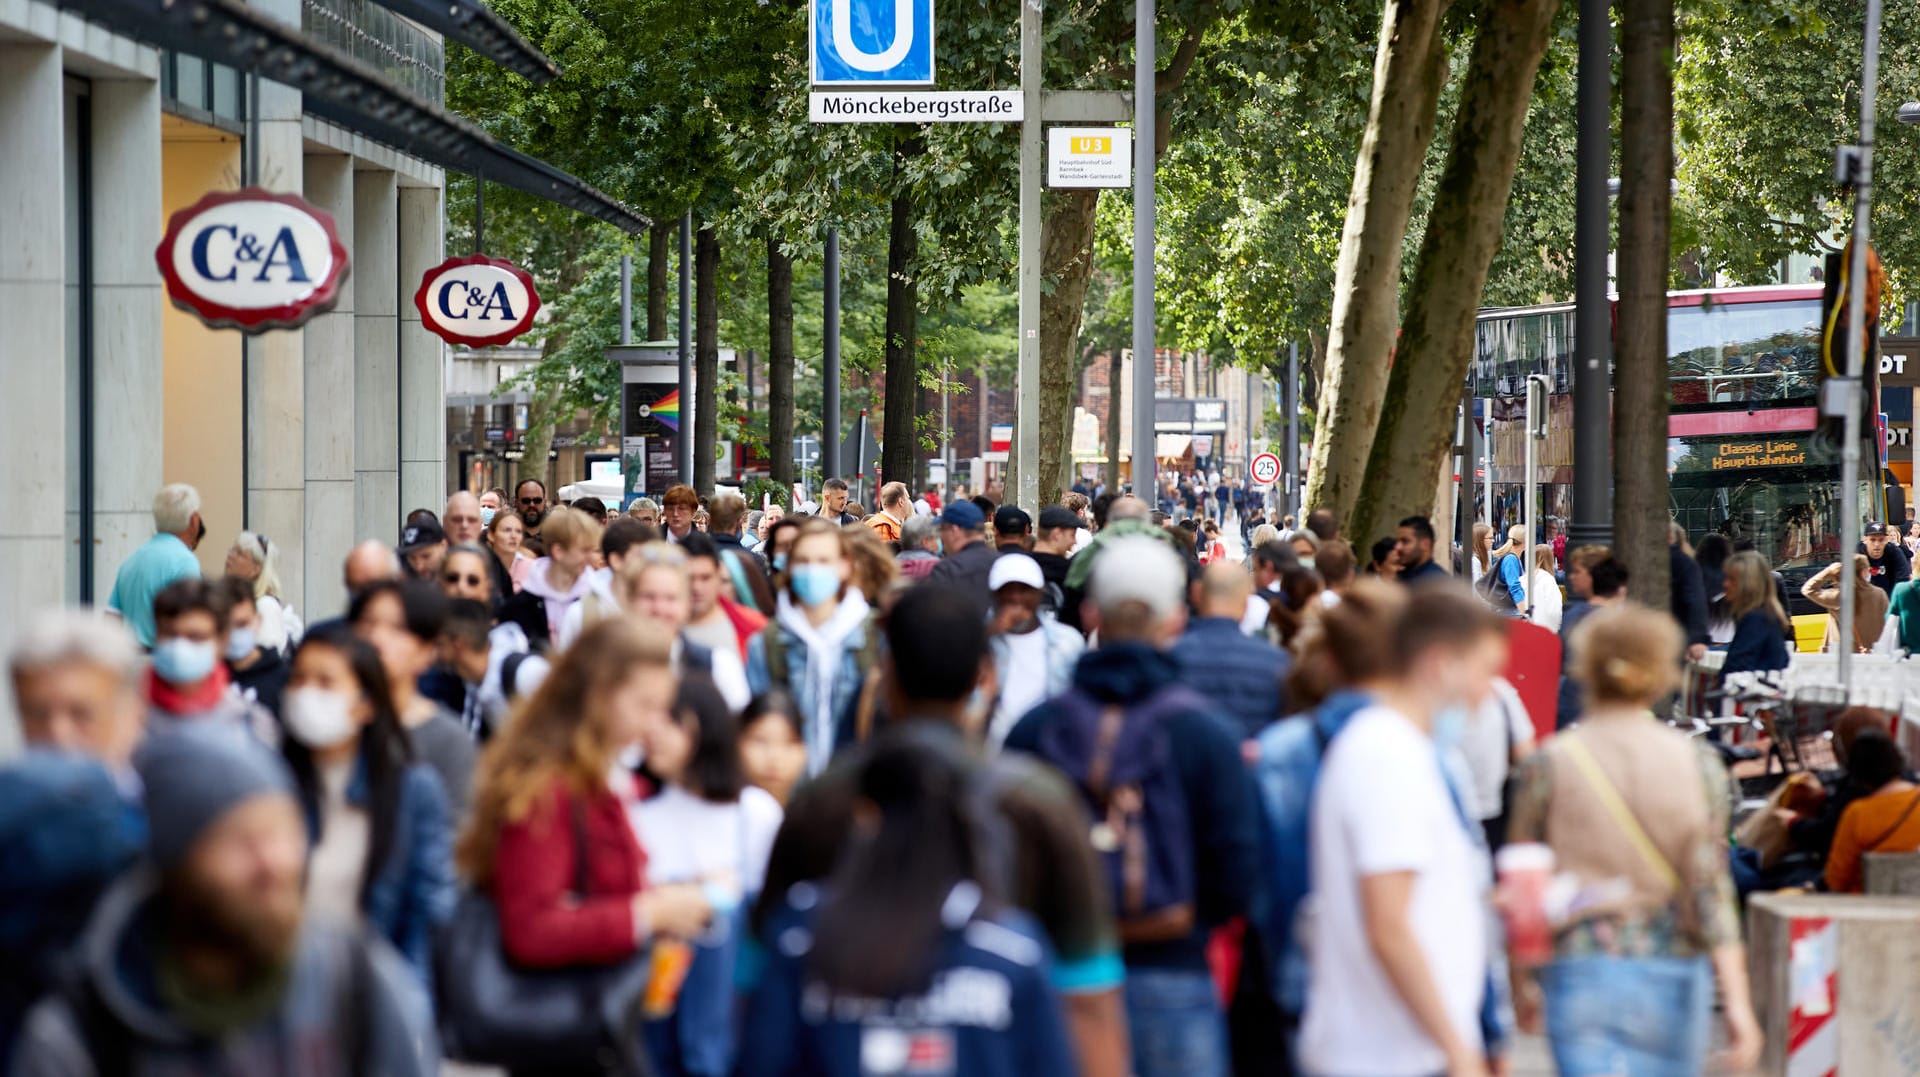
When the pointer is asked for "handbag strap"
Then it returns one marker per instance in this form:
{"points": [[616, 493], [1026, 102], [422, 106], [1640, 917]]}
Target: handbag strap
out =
{"points": [[1895, 828], [1623, 816]]}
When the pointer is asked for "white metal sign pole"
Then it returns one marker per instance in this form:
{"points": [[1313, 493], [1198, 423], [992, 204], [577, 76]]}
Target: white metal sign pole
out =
{"points": [[1032, 145]]}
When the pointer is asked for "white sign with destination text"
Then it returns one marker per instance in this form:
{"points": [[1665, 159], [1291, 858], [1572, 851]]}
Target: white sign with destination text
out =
{"points": [[916, 106]]}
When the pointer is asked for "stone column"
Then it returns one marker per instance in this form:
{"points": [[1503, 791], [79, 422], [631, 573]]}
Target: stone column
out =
{"points": [[276, 375], [329, 426], [129, 359], [376, 362], [423, 398], [33, 409]]}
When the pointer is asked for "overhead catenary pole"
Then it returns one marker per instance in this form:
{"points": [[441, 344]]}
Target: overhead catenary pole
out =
{"points": [[685, 439], [1592, 522], [1143, 183], [1849, 390], [830, 363], [1290, 455], [1026, 441]]}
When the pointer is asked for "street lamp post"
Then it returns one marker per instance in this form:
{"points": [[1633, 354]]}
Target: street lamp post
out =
{"points": [[1847, 399], [1592, 522]]}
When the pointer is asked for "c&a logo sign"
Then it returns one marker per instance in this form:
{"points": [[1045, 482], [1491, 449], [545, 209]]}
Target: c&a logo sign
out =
{"points": [[477, 301], [252, 259]]}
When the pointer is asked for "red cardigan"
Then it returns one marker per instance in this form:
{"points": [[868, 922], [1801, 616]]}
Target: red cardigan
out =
{"points": [[543, 923]]}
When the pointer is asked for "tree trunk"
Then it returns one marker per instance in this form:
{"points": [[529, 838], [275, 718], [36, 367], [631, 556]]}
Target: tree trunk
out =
{"points": [[1463, 234], [1640, 504], [1115, 401], [1066, 260], [898, 437], [706, 353], [658, 255], [780, 364], [1407, 76]]}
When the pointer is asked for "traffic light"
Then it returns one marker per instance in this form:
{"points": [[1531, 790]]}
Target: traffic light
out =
{"points": [[1833, 311]]}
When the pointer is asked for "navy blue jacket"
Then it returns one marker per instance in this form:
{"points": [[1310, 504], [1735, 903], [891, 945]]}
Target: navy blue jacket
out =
{"points": [[992, 1011], [1244, 675], [1220, 800], [66, 830], [1758, 644], [1689, 595], [413, 891]]}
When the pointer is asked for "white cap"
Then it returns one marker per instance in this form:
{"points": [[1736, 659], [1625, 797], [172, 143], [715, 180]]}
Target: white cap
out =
{"points": [[1015, 568], [1138, 568]]}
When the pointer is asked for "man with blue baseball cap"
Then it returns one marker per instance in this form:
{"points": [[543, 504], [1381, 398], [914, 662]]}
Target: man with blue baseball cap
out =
{"points": [[963, 536]]}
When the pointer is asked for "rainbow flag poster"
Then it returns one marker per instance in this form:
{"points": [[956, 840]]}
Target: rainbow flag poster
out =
{"points": [[665, 411]]}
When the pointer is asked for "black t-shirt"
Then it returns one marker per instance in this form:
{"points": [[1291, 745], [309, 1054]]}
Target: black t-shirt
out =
{"points": [[1890, 568]]}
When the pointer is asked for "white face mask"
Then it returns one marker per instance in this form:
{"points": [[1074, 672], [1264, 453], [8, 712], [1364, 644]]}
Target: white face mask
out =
{"points": [[318, 718]]}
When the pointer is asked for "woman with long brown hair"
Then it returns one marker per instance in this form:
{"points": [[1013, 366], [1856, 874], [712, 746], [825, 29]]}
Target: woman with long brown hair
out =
{"points": [[552, 789], [1761, 627]]}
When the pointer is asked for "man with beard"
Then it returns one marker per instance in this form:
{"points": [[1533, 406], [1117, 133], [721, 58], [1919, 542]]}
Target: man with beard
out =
{"points": [[202, 961], [530, 497]]}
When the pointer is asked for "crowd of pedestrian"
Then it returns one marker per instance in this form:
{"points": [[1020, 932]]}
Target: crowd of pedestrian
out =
{"points": [[945, 787]]}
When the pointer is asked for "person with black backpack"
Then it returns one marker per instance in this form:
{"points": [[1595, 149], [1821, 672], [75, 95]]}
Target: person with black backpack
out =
{"points": [[1160, 771]]}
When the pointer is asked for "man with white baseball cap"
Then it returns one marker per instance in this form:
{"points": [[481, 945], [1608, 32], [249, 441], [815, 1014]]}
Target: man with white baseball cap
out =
{"points": [[1127, 714], [1034, 654]]}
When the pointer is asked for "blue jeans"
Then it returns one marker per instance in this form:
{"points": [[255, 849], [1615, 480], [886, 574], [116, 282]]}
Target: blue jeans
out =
{"points": [[1177, 1027], [1628, 1017]]}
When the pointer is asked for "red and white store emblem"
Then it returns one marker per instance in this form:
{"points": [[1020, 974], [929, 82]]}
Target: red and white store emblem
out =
{"points": [[252, 259], [1813, 1026], [477, 301]]}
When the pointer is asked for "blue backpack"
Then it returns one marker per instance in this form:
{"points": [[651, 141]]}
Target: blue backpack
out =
{"points": [[1121, 760]]}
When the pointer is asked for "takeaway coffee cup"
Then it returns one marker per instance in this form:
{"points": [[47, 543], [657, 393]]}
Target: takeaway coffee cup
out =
{"points": [[1525, 871]]}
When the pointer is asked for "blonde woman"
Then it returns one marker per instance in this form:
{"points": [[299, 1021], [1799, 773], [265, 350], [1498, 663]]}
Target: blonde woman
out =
{"points": [[253, 558], [1482, 549], [1636, 816], [1543, 591], [1502, 585], [1869, 606], [1761, 627]]}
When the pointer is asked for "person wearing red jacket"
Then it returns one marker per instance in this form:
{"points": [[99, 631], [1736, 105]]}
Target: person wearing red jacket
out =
{"points": [[543, 799]]}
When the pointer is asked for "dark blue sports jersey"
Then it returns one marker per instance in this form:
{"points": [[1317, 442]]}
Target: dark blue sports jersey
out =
{"points": [[991, 1010]]}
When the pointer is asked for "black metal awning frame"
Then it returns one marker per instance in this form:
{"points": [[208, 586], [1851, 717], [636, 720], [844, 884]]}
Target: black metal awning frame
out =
{"points": [[341, 89], [474, 25]]}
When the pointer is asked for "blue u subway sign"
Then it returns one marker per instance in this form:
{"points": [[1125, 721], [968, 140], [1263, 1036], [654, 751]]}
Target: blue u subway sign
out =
{"points": [[872, 42]]}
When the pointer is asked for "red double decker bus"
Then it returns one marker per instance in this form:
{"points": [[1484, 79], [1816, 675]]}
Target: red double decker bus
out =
{"points": [[1747, 454]]}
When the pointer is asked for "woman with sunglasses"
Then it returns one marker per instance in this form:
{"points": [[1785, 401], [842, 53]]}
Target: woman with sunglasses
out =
{"points": [[252, 558]]}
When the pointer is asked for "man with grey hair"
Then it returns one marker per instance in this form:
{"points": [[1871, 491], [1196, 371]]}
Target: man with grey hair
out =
{"points": [[646, 510], [1127, 723], [76, 683], [70, 814], [919, 546], [161, 560], [461, 520]]}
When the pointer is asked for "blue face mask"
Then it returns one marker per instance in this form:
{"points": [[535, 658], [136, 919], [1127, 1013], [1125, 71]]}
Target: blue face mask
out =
{"points": [[780, 562], [240, 643], [182, 662], [815, 585], [486, 516], [1449, 725]]}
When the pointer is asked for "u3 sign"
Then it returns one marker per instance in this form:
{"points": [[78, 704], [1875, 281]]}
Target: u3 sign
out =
{"points": [[477, 301]]}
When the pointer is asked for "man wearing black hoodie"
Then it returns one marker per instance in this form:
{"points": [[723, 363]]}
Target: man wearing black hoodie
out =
{"points": [[259, 673], [1136, 596]]}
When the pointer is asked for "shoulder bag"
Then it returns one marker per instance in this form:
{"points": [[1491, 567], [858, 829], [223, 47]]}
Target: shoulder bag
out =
{"points": [[493, 1012]]}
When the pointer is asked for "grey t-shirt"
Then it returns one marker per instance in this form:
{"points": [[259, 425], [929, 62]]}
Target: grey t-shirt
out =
{"points": [[443, 744]]}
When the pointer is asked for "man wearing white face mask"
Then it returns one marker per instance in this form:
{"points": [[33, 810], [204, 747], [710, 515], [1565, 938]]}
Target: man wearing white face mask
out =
{"points": [[1399, 964], [188, 682]]}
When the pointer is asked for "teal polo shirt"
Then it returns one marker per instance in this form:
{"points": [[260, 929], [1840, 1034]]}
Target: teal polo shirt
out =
{"points": [[160, 561]]}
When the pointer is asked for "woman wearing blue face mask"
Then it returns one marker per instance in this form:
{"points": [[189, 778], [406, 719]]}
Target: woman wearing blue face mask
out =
{"points": [[822, 645]]}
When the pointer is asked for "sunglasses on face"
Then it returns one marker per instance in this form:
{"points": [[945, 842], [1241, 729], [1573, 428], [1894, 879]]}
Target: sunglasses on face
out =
{"points": [[531, 500], [470, 581]]}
